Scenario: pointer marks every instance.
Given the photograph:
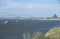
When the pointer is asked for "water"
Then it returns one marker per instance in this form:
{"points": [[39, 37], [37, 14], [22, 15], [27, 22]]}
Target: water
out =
{"points": [[14, 30]]}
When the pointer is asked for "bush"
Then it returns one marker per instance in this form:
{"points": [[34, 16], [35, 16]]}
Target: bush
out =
{"points": [[38, 35], [53, 33]]}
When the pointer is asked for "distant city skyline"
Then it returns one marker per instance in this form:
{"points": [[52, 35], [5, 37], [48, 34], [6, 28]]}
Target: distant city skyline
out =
{"points": [[29, 8]]}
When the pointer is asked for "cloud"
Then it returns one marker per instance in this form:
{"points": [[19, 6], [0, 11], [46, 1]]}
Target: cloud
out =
{"points": [[3, 0], [29, 6], [9, 5], [12, 5]]}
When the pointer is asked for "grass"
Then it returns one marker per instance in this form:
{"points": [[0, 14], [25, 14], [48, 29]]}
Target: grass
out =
{"points": [[53, 33]]}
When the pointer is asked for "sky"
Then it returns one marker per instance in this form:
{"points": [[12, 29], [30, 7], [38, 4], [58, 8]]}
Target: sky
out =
{"points": [[29, 8]]}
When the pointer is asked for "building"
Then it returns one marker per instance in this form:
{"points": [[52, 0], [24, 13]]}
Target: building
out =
{"points": [[55, 16]]}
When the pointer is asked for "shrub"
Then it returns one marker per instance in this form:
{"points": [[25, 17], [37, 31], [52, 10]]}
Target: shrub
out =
{"points": [[38, 35], [53, 33]]}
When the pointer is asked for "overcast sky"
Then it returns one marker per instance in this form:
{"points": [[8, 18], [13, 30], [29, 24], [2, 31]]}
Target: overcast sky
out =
{"points": [[28, 8]]}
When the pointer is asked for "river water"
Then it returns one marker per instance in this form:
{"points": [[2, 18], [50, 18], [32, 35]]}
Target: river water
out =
{"points": [[14, 30]]}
